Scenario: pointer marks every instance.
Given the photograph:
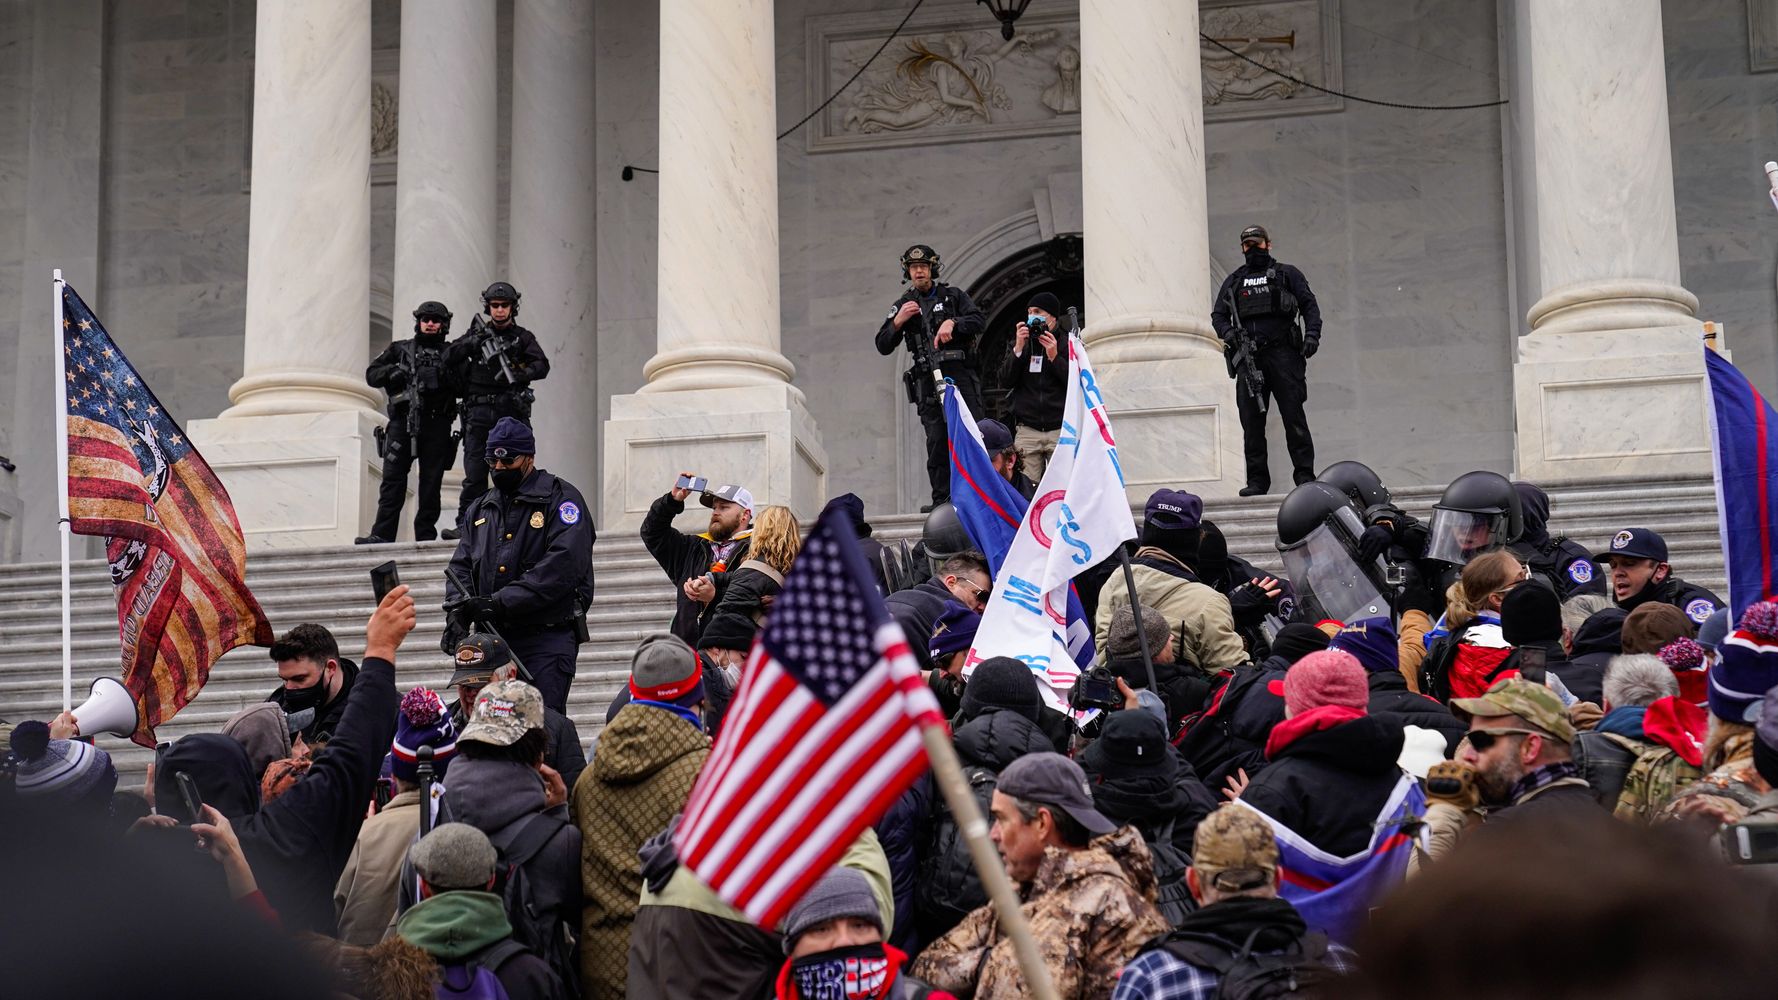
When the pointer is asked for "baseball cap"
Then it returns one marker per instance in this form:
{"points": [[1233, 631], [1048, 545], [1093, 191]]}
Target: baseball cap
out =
{"points": [[1255, 233], [504, 712], [454, 856], [478, 656], [1234, 850], [729, 492], [1174, 509], [995, 437], [1638, 543], [1534, 703], [1053, 780]]}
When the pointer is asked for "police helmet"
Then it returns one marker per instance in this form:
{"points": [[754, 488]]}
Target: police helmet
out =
{"points": [[1308, 507], [943, 534], [1255, 234], [1480, 511], [501, 291], [919, 253], [433, 310], [1357, 481]]}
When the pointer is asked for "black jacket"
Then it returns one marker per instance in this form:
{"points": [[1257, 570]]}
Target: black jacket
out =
{"points": [[533, 553], [327, 717], [1036, 398], [438, 386], [1153, 799], [1697, 603], [298, 844], [1277, 330], [742, 590], [1392, 702], [475, 377], [1231, 734], [899, 832], [942, 303], [562, 751], [1329, 785], [684, 556], [917, 608], [1184, 691]]}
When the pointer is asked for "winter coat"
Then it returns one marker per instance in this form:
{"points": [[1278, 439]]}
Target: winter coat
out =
{"points": [[1392, 702], [1090, 911], [1329, 779], [642, 773], [561, 749], [1165, 802], [745, 590], [327, 717], [1735, 781], [946, 886], [368, 888], [684, 556], [1202, 624], [1564, 796], [1231, 734], [900, 830], [1035, 398], [917, 608], [495, 796], [1184, 691], [454, 927]]}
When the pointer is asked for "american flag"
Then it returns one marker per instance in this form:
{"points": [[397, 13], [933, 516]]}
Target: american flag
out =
{"points": [[178, 562], [822, 736]]}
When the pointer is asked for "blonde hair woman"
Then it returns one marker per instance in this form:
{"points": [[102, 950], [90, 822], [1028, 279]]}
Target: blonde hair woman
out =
{"points": [[1471, 624], [748, 589]]}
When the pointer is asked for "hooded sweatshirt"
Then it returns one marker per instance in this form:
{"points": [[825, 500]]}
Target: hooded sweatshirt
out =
{"points": [[454, 927], [262, 731]]}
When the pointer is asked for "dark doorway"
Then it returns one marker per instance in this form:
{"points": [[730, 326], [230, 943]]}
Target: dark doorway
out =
{"points": [[1001, 295]]}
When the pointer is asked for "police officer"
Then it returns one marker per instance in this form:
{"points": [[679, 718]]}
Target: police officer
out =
{"points": [[1640, 573], [947, 323], [524, 566], [1269, 303], [491, 389], [422, 404], [1559, 560]]}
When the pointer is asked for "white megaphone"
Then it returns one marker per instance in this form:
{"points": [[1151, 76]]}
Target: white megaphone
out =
{"points": [[109, 709]]}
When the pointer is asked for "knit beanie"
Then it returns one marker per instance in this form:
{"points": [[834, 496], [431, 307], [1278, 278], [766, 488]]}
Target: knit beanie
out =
{"points": [[1326, 677], [1001, 682], [954, 631], [64, 771], [729, 630], [1297, 640], [1653, 625], [842, 892], [1749, 665], [1372, 642], [1530, 614], [1765, 743], [1124, 641], [424, 722], [281, 776]]}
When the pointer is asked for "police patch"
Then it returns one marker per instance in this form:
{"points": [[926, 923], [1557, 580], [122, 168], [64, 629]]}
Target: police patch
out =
{"points": [[1699, 610], [1621, 539], [569, 512], [537, 519], [1580, 571]]}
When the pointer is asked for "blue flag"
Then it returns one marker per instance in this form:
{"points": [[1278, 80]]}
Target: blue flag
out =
{"points": [[1745, 463]]}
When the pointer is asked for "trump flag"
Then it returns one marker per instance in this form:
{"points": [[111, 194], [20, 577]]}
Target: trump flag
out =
{"points": [[178, 561], [1743, 428]]}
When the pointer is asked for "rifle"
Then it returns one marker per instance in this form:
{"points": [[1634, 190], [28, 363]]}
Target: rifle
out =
{"points": [[919, 344], [493, 347], [414, 395], [1242, 358], [487, 627]]}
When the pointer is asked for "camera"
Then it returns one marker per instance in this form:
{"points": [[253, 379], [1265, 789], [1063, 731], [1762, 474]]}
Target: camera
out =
{"points": [[1751, 841], [1096, 688], [1035, 324]]}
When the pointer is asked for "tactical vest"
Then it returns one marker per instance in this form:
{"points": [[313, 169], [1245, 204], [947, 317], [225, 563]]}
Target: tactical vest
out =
{"points": [[1259, 295]]}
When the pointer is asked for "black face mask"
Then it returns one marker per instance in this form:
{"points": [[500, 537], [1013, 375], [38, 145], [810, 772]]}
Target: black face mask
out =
{"points": [[860, 972], [304, 698], [508, 480], [1257, 256]]}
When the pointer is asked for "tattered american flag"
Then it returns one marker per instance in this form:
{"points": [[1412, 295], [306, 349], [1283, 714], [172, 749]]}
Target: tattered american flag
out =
{"points": [[178, 561], [822, 736]]}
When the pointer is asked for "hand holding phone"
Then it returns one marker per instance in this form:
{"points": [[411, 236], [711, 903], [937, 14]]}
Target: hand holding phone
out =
{"points": [[384, 578], [189, 798]]}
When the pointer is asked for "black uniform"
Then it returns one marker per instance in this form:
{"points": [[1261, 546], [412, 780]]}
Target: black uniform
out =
{"points": [[419, 360], [1269, 297], [956, 359], [533, 553], [1563, 562], [487, 396], [1697, 603]]}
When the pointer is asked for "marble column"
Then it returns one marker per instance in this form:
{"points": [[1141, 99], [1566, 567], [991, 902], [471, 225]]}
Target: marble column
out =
{"points": [[1147, 249], [553, 218], [718, 398], [1613, 335], [296, 449]]}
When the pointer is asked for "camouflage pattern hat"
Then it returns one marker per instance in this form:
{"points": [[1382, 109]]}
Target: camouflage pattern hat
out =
{"points": [[1534, 703], [1234, 850], [504, 711]]}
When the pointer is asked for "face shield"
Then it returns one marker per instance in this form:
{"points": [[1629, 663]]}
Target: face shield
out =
{"points": [[1457, 536], [1328, 577]]}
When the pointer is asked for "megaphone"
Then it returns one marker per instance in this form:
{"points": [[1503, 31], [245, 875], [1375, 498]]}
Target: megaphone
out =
{"points": [[109, 709]]}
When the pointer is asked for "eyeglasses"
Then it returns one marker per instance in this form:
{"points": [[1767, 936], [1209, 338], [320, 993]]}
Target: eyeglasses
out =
{"points": [[509, 462], [1481, 739], [981, 593]]}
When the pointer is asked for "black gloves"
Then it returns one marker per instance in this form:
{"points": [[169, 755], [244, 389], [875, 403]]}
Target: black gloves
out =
{"points": [[474, 609], [1421, 595], [1374, 542], [1250, 601], [1310, 346]]}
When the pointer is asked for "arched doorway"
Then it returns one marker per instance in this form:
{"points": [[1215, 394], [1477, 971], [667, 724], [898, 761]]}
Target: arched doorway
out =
{"points": [[1001, 293]]}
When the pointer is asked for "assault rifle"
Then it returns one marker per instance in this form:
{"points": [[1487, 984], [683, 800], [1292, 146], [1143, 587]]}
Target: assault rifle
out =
{"points": [[919, 344], [1242, 357], [421, 380], [491, 346]]}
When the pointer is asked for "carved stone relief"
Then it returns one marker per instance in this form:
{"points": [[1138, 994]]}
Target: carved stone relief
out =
{"points": [[949, 77]]}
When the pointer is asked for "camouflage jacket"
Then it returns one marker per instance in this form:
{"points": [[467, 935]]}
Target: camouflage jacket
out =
{"points": [[1735, 781], [1090, 911]]}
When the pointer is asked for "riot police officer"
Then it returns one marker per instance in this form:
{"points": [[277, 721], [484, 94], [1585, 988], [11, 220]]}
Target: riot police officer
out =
{"points": [[1267, 305], [1561, 561], [524, 566], [940, 325], [1479, 512], [494, 365], [422, 404]]}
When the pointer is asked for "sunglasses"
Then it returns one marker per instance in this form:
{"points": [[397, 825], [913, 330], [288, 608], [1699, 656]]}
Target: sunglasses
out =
{"points": [[980, 593], [507, 462], [1481, 739]]}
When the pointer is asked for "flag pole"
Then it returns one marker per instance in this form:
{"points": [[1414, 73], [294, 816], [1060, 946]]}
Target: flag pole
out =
{"points": [[62, 521], [1123, 557], [1001, 894]]}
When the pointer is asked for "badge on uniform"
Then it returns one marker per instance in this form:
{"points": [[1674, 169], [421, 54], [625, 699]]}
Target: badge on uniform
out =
{"points": [[569, 512], [1700, 610], [1621, 539], [537, 519], [1580, 571]]}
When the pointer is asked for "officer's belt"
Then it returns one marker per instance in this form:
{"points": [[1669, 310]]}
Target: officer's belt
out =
{"points": [[945, 357], [491, 398]]}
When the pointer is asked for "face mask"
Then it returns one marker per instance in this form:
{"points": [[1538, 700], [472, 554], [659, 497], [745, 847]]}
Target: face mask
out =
{"points": [[1034, 320], [508, 480], [1257, 256], [860, 972], [309, 697]]}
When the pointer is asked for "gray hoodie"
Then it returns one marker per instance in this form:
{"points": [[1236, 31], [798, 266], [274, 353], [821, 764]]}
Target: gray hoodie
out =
{"points": [[494, 797]]}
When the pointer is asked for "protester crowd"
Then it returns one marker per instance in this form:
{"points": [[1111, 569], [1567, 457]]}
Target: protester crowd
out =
{"points": [[1506, 769]]}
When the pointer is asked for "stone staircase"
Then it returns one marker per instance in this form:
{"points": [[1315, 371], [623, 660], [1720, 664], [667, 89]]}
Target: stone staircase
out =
{"points": [[331, 586]]}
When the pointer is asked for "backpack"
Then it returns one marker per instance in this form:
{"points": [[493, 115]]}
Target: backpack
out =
{"points": [[946, 887], [1657, 775], [1173, 897], [535, 923], [1435, 670], [1298, 971], [475, 978]]}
